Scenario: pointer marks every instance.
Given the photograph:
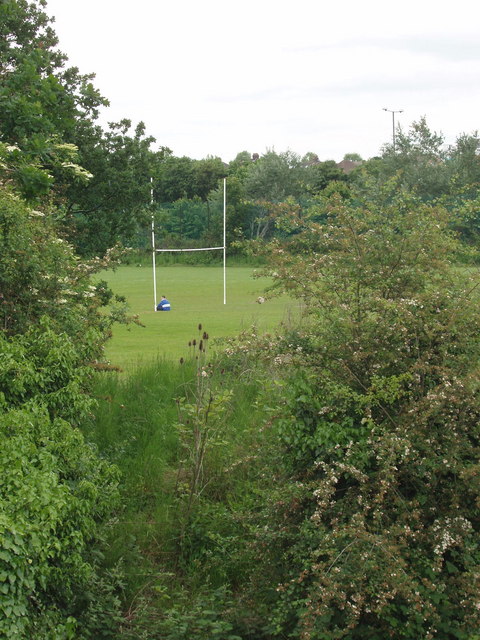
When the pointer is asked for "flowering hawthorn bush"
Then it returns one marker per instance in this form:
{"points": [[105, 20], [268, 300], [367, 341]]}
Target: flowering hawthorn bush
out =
{"points": [[374, 531]]}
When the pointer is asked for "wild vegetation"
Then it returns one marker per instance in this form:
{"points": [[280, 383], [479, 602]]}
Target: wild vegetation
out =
{"points": [[319, 482]]}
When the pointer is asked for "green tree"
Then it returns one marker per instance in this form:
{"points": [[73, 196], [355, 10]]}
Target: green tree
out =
{"points": [[57, 155], [419, 158], [353, 157], [274, 177], [177, 178], [182, 220], [310, 159], [375, 522], [174, 179], [320, 174], [40, 275], [241, 213], [41, 99], [112, 206], [464, 157], [54, 492], [206, 175], [239, 165]]}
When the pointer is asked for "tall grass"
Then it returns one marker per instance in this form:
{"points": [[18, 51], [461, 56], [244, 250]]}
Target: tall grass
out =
{"points": [[186, 444], [145, 424], [135, 427]]}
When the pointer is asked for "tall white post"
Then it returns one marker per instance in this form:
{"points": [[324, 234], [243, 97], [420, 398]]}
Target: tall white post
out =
{"points": [[153, 250], [224, 241]]}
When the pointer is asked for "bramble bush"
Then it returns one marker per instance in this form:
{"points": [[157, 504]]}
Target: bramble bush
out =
{"points": [[44, 368]]}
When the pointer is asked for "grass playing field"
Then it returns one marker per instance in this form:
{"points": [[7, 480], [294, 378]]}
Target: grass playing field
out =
{"points": [[196, 296]]}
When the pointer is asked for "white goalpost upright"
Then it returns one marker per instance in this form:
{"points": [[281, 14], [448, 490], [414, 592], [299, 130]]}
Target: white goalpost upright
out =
{"points": [[153, 250], [223, 247]]}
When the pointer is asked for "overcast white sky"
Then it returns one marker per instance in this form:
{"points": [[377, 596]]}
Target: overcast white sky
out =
{"points": [[215, 78]]}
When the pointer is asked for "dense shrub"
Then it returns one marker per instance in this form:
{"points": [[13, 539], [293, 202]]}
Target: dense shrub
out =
{"points": [[40, 275], [377, 522], [43, 368], [54, 491]]}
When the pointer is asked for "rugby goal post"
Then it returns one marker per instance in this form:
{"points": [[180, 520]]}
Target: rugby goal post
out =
{"points": [[222, 248]]}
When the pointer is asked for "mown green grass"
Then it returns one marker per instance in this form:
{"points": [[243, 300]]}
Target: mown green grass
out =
{"points": [[196, 296]]}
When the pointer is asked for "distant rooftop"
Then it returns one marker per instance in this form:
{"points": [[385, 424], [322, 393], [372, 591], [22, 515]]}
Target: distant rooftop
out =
{"points": [[348, 165]]}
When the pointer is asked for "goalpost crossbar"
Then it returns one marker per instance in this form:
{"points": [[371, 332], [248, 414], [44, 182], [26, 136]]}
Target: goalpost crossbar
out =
{"points": [[180, 250]]}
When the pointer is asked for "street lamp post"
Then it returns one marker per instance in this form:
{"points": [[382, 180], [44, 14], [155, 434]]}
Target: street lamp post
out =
{"points": [[393, 123]]}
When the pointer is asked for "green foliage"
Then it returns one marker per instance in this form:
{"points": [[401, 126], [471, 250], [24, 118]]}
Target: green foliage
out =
{"points": [[41, 276], [381, 434], [465, 159], [56, 153], [319, 175], [466, 221], [43, 368], [53, 490], [238, 167], [394, 546], [201, 621], [419, 158], [318, 419], [274, 177], [115, 202], [207, 174], [424, 165], [185, 220], [186, 619], [177, 178], [241, 213], [41, 101]]}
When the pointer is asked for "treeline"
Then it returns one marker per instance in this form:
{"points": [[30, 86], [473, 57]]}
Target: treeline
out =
{"points": [[99, 182]]}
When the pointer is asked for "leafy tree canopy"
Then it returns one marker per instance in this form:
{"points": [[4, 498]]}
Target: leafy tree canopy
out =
{"points": [[274, 177], [41, 99]]}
